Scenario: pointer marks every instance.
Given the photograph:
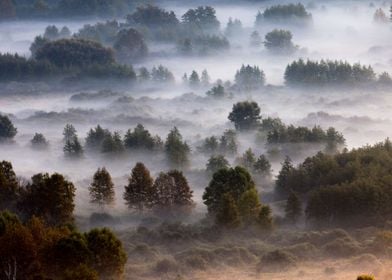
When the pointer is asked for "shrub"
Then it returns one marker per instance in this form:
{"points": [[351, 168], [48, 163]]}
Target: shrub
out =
{"points": [[276, 261]]}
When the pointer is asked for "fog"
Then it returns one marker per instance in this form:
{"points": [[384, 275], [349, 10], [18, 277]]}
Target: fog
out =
{"points": [[340, 30]]}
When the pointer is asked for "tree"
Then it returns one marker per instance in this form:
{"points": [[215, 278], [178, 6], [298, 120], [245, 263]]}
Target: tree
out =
{"points": [[210, 145], [255, 39], [249, 206], [9, 187], [95, 138], [39, 42], [245, 115], [50, 197], [248, 160], [182, 193], [164, 199], [234, 181], [176, 149], [39, 141], [228, 214], [139, 138], [152, 17], [7, 129], [264, 218], [130, 44], [282, 178], [380, 16], [51, 33], [108, 255], [73, 148], [194, 80], [216, 163], [293, 209], [139, 193], [69, 132], [102, 188], [262, 166], [233, 27], [112, 144], [218, 92], [161, 74], [279, 41], [205, 78], [250, 78], [201, 20], [228, 142]]}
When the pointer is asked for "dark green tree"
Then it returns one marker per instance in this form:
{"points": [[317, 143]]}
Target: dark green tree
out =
{"points": [[216, 163], [50, 197], [130, 45], [293, 209], [262, 166], [139, 138], [249, 78], [245, 115], [7, 129], [39, 141], [282, 178], [176, 149], [95, 138], [69, 132], [9, 187], [279, 41], [73, 148], [234, 181]]}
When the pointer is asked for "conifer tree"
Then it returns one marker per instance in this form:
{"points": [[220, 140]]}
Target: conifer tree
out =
{"points": [[102, 188], [139, 193], [293, 209]]}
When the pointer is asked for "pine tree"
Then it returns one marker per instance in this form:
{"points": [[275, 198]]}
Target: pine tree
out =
{"points": [[262, 166], [228, 214], [73, 148], [194, 80], [205, 78], [293, 207], [102, 188], [282, 178], [69, 132], [176, 149], [139, 193]]}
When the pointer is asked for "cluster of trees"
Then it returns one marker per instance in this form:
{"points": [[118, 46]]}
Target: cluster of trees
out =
{"points": [[350, 187], [7, 129], [169, 195], [256, 165], [226, 144], [102, 140], [249, 78], [286, 14], [63, 57], [279, 41], [198, 31], [232, 200], [326, 72], [279, 133], [45, 244], [195, 80], [160, 75]]}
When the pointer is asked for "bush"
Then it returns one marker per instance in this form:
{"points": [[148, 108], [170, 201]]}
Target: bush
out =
{"points": [[341, 248], [366, 277], [276, 261], [166, 265]]}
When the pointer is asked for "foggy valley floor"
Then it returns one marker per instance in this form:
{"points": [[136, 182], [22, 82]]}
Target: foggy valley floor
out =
{"points": [[194, 140]]}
